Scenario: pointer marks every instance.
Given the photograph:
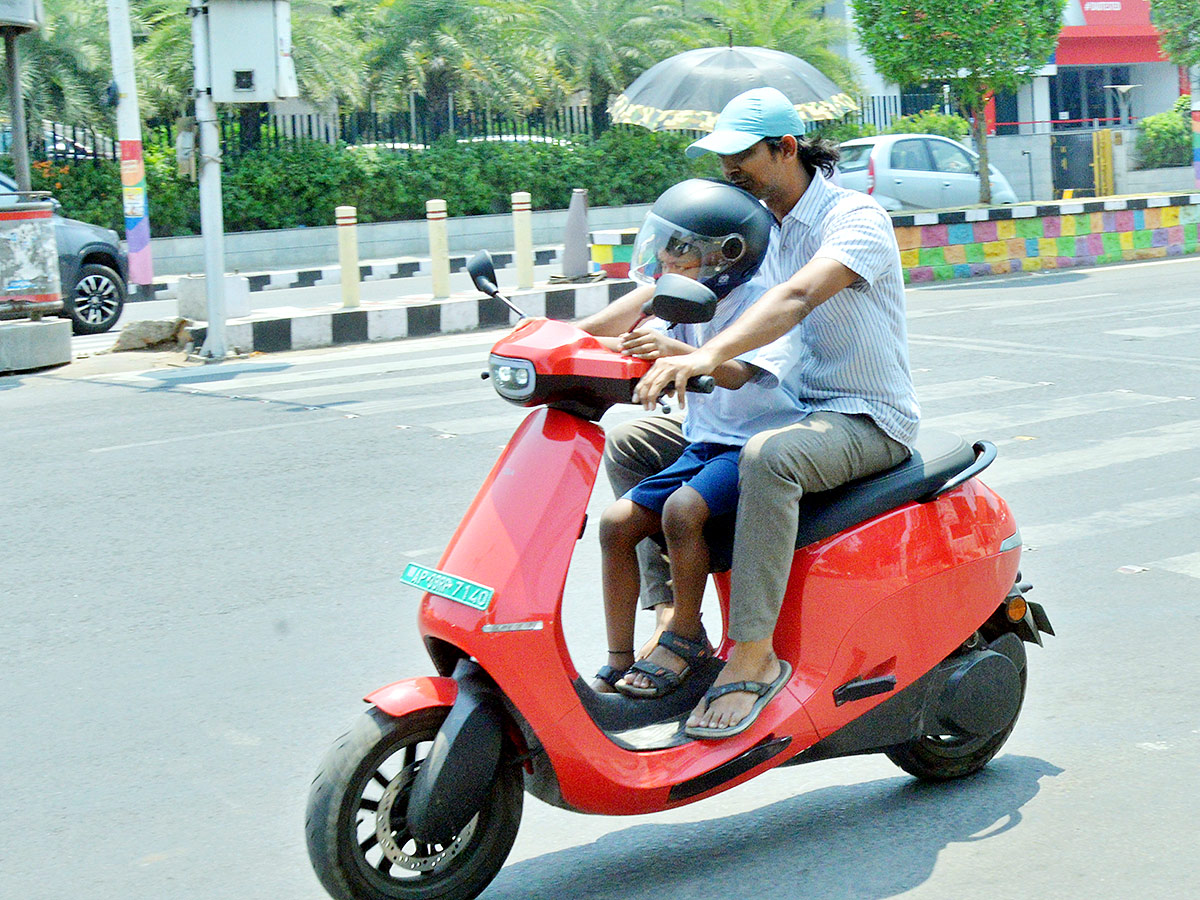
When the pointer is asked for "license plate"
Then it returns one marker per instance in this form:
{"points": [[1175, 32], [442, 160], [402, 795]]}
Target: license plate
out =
{"points": [[451, 587]]}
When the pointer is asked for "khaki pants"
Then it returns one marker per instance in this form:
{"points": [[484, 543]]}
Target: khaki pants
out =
{"points": [[818, 453]]}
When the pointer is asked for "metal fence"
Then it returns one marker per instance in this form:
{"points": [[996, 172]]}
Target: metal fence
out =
{"points": [[249, 128]]}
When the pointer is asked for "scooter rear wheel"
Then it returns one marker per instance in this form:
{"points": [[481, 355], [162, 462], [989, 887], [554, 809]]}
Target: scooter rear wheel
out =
{"points": [[357, 838], [939, 757]]}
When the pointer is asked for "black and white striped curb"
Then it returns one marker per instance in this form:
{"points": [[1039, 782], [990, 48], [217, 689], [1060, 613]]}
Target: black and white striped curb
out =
{"points": [[264, 332], [167, 287]]}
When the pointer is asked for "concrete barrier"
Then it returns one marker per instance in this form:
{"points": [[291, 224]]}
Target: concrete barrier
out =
{"points": [[25, 346]]}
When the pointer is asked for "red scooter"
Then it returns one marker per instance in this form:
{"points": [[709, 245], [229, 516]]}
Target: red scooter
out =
{"points": [[904, 623]]}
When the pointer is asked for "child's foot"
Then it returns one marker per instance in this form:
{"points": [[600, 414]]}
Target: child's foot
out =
{"points": [[667, 666], [664, 615], [618, 664]]}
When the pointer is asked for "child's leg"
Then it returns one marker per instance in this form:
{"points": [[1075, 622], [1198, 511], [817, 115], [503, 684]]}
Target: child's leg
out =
{"points": [[683, 521], [622, 526]]}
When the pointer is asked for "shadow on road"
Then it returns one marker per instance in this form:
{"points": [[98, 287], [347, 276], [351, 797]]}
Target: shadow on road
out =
{"points": [[870, 841]]}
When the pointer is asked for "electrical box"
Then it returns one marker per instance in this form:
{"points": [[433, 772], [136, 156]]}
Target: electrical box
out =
{"points": [[23, 14], [250, 48]]}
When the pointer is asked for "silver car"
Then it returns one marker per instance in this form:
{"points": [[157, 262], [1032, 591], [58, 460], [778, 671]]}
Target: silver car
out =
{"points": [[917, 171]]}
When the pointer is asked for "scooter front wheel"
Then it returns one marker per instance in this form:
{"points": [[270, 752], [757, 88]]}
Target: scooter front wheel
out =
{"points": [[358, 840]]}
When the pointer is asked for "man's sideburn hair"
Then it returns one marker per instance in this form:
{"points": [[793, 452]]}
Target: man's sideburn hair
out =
{"points": [[813, 153]]}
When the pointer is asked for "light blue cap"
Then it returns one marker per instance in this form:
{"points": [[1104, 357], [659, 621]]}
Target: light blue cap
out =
{"points": [[748, 118]]}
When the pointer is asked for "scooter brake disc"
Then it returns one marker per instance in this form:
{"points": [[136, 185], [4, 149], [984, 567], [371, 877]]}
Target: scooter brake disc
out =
{"points": [[436, 854]]}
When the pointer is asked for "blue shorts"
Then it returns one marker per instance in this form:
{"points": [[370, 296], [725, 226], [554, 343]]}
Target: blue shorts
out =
{"points": [[711, 470]]}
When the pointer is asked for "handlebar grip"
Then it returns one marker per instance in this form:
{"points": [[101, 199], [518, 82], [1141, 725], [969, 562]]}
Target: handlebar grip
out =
{"points": [[701, 384]]}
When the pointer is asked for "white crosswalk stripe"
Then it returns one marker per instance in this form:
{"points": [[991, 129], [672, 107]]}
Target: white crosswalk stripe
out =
{"points": [[434, 384]]}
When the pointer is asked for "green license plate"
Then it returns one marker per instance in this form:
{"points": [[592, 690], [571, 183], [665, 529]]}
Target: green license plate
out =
{"points": [[451, 587]]}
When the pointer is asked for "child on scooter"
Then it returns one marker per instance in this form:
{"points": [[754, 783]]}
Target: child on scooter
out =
{"points": [[703, 482]]}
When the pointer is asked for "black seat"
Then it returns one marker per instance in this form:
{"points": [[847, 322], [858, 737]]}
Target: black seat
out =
{"points": [[937, 457]]}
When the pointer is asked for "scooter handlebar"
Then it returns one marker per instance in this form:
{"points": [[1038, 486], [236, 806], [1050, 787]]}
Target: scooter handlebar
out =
{"points": [[701, 384]]}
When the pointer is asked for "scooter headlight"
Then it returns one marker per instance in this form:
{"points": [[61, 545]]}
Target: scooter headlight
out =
{"points": [[513, 379]]}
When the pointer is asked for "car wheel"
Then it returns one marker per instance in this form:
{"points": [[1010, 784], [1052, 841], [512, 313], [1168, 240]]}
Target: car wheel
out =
{"points": [[95, 302]]}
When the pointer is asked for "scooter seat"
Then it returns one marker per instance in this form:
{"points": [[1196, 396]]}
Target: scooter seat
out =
{"points": [[937, 457]]}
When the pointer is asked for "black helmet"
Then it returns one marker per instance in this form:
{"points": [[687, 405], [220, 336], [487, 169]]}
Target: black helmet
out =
{"points": [[706, 229]]}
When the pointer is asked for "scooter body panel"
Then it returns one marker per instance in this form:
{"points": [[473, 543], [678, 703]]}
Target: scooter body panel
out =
{"points": [[892, 597], [413, 694]]}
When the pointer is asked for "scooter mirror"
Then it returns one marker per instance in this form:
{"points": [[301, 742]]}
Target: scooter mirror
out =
{"points": [[682, 300], [483, 273]]}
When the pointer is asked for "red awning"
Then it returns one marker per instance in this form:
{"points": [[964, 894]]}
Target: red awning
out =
{"points": [[1117, 45]]}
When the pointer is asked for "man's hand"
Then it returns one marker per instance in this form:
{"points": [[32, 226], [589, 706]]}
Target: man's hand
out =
{"points": [[672, 372], [646, 343]]}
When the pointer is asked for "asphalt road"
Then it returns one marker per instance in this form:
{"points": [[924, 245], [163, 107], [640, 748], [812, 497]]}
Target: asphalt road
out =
{"points": [[201, 579]]}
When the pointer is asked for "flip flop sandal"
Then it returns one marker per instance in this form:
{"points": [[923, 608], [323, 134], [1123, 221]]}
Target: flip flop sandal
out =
{"points": [[764, 691], [663, 680]]}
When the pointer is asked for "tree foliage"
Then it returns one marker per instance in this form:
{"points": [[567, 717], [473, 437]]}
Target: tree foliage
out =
{"points": [[975, 46], [1179, 23], [64, 65], [798, 27]]}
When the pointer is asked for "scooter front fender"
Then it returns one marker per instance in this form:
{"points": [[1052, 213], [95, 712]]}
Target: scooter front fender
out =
{"points": [[414, 694]]}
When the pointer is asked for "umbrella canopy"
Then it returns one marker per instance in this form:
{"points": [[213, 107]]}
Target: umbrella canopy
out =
{"points": [[687, 91]]}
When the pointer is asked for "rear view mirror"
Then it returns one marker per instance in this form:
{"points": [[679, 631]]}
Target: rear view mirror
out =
{"points": [[483, 273], [682, 300]]}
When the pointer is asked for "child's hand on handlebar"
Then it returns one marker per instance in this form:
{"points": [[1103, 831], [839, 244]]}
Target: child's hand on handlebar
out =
{"points": [[646, 343], [671, 373]]}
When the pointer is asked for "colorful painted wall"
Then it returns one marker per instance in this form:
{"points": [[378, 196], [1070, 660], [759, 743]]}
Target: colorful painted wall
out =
{"points": [[970, 243]]}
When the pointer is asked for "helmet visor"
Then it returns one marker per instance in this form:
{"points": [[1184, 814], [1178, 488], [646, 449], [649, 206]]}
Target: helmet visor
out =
{"points": [[662, 248]]}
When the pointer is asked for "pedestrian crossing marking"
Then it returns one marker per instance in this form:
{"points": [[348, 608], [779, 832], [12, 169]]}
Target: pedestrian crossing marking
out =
{"points": [[1126, 516], [1004, 418], [1188, 564], [968, 387], [1150, 443]]}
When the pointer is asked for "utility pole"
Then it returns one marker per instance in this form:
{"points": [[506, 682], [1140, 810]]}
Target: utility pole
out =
{"points": [[212, 223], [17, 16], [129, 134]]}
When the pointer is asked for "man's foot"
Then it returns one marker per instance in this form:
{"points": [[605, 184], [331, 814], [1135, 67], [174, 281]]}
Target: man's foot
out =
{"points": [[747, 662], [608, 676]]}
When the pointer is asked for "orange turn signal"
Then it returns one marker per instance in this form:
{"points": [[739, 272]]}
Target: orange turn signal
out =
{"points": [[1016, 608]]}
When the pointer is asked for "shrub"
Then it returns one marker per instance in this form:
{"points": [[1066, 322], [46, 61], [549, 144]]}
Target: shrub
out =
{"points": [[842, 130], [299, 186], [930, 121], [1165, 139]]}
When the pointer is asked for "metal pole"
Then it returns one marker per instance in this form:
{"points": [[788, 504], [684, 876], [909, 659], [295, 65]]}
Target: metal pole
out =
{"points": [[212, 225], [20, 137], [523, 237], [129, 133]]}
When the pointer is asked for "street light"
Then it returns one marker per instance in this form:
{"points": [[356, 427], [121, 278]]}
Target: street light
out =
{"points": [[1123, 91]]}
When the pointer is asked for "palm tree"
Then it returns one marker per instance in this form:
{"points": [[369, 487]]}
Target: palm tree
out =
{"points": [[600, 46], [448, 51], [798, 27], [327, 56], [64, 65]]}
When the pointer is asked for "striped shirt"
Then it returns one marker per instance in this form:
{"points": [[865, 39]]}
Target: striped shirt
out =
{"points": [[850, 354], [732, 417]]}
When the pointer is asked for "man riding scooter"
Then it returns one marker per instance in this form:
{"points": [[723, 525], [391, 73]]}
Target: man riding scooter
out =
{"points": [[837, 293]]}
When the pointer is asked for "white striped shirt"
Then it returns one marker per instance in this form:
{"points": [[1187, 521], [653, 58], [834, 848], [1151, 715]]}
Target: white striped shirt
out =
{"points": [[850, 354]]}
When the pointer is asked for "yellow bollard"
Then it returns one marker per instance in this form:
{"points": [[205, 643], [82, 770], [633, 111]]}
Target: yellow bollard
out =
{"points": [[439, 247], [347, 232], [522, 211]]}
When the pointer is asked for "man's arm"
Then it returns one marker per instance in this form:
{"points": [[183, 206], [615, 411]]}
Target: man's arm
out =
{"points": [[619, 316], [772, 316]]}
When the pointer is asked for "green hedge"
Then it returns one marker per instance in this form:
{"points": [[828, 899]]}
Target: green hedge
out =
{"points": [[1165, 139], [299, 187]]}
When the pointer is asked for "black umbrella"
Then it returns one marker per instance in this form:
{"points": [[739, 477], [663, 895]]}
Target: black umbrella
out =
{"points": [[687, 91]]}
